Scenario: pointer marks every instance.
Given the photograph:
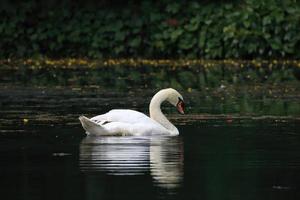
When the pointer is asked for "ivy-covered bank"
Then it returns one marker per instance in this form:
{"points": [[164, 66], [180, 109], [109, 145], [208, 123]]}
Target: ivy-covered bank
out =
{"points": [[151, 29], [146, 73]]}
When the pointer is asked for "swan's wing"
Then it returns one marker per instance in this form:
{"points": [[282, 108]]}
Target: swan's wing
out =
{"points": [[92, 127], [120, 115], [121, 128], [123, 122]]}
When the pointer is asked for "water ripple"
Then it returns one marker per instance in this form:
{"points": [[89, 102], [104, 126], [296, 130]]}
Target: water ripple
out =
{"points": [[162, 157]]}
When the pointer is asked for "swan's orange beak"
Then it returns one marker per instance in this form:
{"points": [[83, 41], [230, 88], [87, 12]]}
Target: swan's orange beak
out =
{"points": [[180, 107]]}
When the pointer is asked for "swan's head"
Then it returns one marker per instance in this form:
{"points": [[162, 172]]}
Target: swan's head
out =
{"points": [[176, 99]]}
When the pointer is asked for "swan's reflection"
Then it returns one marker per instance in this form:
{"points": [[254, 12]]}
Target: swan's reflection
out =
{"points": [[162, 156], [166, 161]]}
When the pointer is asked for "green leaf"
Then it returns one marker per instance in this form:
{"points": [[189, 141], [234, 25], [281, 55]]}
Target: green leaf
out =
{"points": [[34, 36], [120, 36], [135, 42], [252, 47], [208, 21], [276, 44], [155, 17], [187, 42], [247, 24], [292, 10], [193, 25], [267, 20], [228, 6], [173, 8], [202, 39], [176, 34], [159, 45], [119, 49]]}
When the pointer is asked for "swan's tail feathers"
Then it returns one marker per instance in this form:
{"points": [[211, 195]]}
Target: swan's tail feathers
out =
{"points": [[91, 127]]}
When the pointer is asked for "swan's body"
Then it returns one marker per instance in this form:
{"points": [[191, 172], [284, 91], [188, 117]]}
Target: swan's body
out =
{"points": [[130, 122]]}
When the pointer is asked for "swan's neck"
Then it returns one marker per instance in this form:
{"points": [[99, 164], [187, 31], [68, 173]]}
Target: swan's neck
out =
{"points": [[157, 115]]}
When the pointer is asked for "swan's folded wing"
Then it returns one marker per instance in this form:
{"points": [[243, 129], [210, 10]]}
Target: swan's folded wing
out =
{"points": [[121, 128], [120, 115]]}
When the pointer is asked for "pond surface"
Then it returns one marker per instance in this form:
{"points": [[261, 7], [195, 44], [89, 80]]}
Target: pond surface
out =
{"points": [[45, 154]]}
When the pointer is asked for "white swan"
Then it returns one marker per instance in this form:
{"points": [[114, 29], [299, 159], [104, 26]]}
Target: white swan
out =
{"points": [[130, 122]]}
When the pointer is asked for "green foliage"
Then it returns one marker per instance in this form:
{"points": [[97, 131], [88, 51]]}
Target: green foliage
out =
{"points": [[214, 30]]}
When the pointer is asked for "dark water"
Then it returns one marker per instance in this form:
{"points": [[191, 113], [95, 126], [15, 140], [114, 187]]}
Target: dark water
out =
{"points": [[48, 156], [204, 162]]}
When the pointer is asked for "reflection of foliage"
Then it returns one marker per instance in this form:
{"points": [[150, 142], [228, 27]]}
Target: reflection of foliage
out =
{"points": [[247, 29], [187, 79], [185, 74]]}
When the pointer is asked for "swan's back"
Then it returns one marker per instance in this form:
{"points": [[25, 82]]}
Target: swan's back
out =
{"points": [[123, 115]]}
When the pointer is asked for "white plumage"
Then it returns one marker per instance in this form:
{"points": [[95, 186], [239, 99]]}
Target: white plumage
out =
{"points": [[131, 122]]}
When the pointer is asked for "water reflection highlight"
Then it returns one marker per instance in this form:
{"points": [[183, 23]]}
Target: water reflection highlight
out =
{"points": [[162, 157]]}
